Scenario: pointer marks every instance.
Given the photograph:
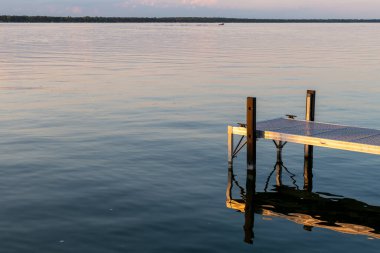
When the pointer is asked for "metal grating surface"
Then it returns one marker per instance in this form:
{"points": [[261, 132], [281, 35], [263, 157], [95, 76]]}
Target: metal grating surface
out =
{"points": [[372, 140], [321, 130], [276, 124]]}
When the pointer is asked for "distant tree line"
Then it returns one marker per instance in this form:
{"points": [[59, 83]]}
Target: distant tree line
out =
{"points": [[48, 19]]}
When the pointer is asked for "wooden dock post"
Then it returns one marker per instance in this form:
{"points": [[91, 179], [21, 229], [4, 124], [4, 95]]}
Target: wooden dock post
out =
{"points": [[251, 133], [230, 145], [308, 152]]}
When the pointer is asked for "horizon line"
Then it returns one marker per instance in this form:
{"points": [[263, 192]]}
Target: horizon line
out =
{"points": [[194, 19]]}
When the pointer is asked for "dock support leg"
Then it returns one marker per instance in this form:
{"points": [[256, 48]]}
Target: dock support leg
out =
{"points": [[229, 184], [308, 152], [279, 146], [230, 146], [251, 134]]}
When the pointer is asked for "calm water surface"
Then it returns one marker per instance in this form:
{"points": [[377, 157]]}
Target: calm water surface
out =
{"points": [[113, 136]]}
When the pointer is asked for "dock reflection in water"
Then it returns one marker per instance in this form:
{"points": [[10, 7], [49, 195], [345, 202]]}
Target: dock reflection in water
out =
{"points": [[322, 210]]}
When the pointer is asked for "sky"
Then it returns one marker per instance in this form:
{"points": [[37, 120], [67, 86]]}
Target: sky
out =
{"points": [[196, 8]]}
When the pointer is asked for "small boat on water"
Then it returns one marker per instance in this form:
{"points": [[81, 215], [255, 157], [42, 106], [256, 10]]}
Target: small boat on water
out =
{"points": [[221, 24]]}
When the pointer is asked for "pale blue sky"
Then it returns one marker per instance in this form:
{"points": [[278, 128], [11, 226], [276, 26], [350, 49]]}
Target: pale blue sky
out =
{"points": [[210, 8]]}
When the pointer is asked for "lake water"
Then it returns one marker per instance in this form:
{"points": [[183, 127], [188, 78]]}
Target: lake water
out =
{"points": [[113, 137]]}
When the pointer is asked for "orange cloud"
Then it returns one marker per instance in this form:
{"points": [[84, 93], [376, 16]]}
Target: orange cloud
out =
{"points": [[200, 2], [167, 3], [75, 10]]}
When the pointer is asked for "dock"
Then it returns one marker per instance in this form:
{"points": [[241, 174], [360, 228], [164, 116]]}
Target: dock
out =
{"points": [[307, 132], [326, 135], [301, 206]]}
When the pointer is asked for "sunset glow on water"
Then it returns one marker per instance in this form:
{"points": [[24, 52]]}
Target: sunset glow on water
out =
{"points": [[114, 136]]}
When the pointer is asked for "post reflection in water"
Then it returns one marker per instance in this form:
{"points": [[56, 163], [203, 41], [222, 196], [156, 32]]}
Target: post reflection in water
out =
{"points": [[249, 206], [322, 210]]}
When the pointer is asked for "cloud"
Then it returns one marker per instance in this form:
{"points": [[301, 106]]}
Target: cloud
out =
{"points": [[135, 3], [166, 3], [200, 2], [75, 10]]}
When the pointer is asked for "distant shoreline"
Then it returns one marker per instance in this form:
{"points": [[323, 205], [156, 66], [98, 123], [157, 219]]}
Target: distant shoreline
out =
{"points": [[50, 19]]}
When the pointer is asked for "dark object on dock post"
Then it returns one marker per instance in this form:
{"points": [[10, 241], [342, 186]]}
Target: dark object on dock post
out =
{"points": [[291, 116], [251, 133], [308, 158]]}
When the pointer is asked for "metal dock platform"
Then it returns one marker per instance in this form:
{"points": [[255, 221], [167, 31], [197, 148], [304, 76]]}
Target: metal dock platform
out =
{"points": [[317, 134], [307, 132]]}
